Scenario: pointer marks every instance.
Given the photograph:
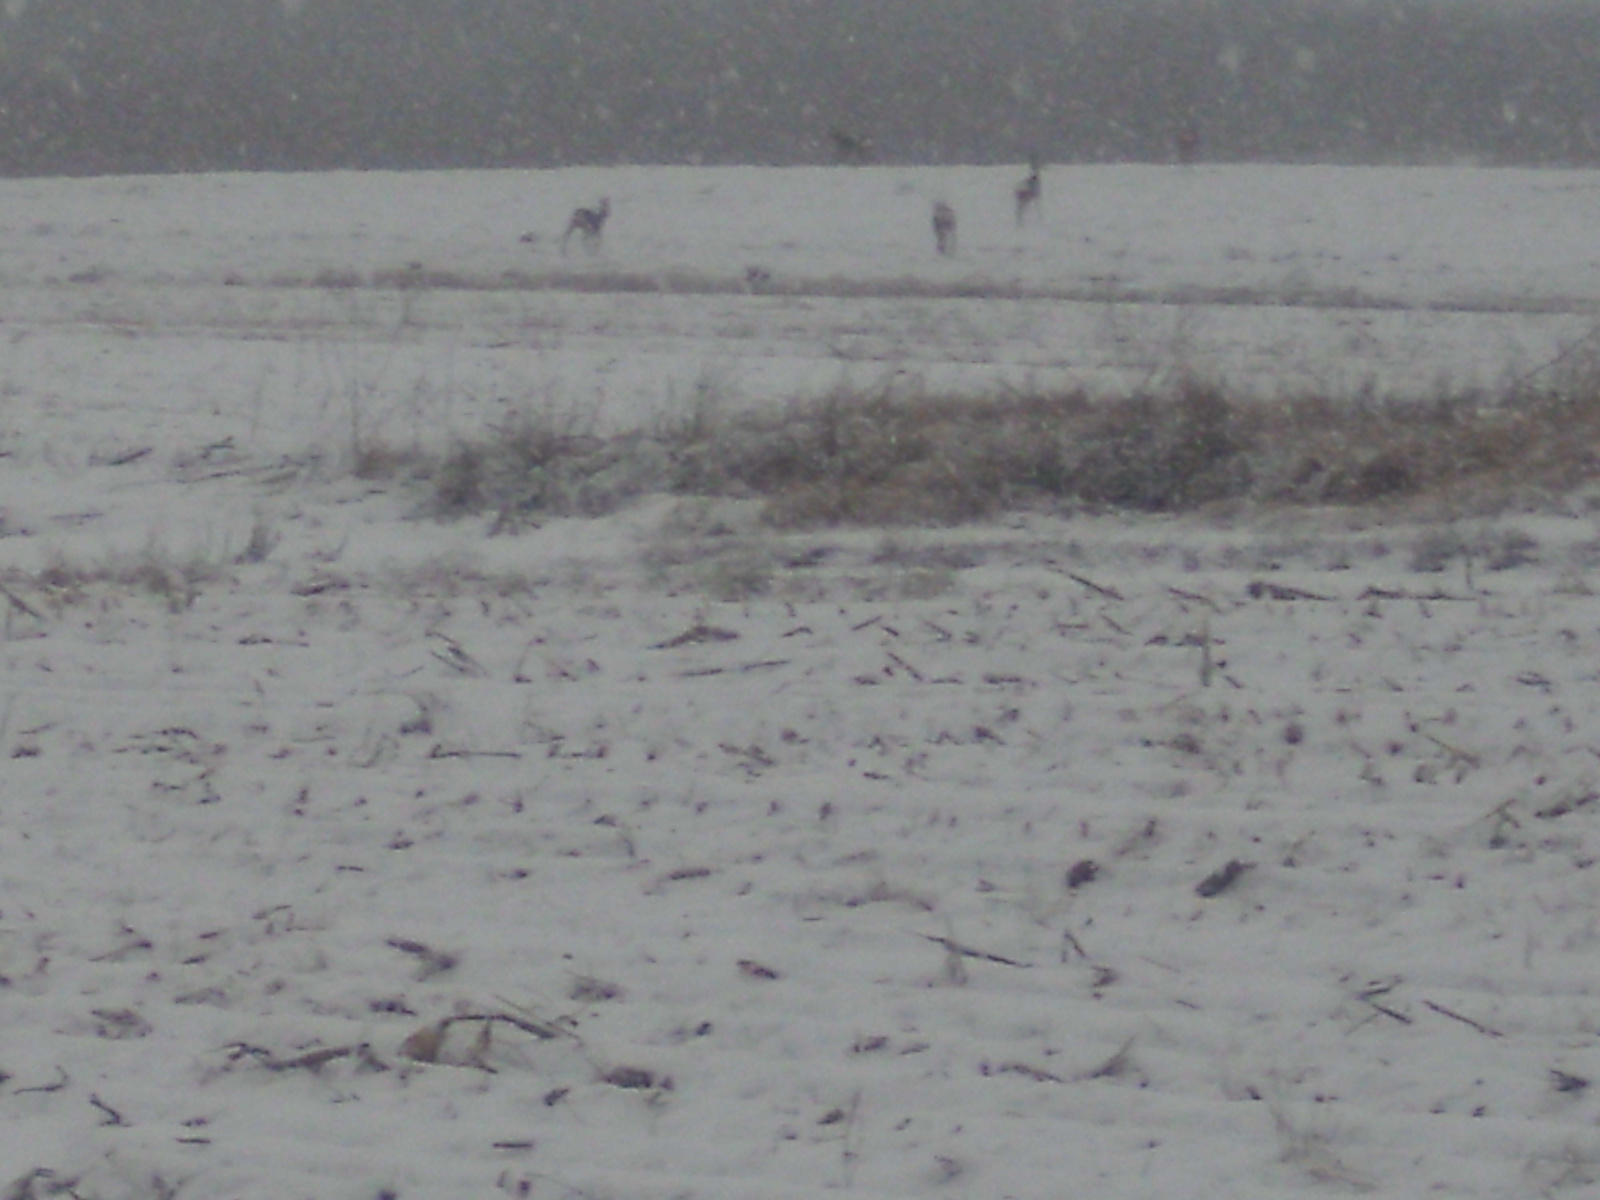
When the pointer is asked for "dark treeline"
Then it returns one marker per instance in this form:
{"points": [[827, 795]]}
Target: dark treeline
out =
{"points": [[92, 86]]}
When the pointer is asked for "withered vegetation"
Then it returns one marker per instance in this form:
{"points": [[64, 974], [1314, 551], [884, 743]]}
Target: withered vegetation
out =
{"points": [[900, 459]]}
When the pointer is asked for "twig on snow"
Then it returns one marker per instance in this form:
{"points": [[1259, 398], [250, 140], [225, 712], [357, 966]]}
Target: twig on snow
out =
{"points": [[1038, 1075], [1110, 593], [18, 603], [538, 1029], [456, 657], [1195, 598], [1465, 1020], [1380, 593], [871, 621], [1456, 753], [1114, 1066], [60, 1083], [1383, 989], [765, 664], [311, 1060], [700, 632], [957, 948], [906, 667]]}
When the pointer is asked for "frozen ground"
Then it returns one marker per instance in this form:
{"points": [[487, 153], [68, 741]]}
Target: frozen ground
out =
{"points": [[348, 855]]}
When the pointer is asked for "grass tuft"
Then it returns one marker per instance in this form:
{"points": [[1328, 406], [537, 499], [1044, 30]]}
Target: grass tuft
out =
{"points": [[178, 583]]}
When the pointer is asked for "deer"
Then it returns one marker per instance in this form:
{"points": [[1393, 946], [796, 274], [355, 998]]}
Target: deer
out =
{"points": [[1029, 191], [944, 227], [590, 223]]}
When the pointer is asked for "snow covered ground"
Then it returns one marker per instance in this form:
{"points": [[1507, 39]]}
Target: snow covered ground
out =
{"points": [[349, 855]]}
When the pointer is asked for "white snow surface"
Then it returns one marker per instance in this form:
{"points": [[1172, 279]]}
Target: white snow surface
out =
{"points": [[1068, 855]]}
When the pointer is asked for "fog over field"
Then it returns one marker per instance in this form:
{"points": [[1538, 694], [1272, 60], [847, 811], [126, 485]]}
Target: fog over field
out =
{"points": [[107, 86]]}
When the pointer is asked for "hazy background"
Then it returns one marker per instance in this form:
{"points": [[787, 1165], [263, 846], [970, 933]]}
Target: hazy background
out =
{"points": [[163, 85]]}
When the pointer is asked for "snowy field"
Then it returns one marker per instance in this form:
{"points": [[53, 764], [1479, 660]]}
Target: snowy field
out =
{"points": [[662, 856]]}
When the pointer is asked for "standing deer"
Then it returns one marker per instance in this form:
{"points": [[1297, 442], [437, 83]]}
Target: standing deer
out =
{"points": [[1029, 191], [590, 223], [944, 227]]}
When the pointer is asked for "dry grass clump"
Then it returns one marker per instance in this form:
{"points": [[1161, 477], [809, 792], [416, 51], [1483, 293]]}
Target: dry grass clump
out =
{"points": [[535, 466], [849, 459], [1458, 450], [153, 571], [843, 460]]}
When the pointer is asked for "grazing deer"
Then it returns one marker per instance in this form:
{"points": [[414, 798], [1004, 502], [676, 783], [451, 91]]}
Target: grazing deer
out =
{"points": [[1029, 191], [944, 227], [590, 223]]}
